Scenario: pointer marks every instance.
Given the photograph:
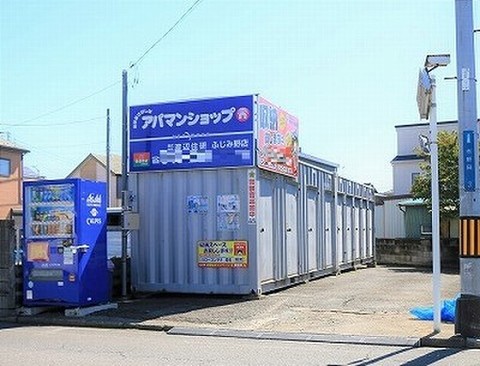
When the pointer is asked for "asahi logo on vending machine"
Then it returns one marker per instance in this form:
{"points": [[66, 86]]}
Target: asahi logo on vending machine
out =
{"points": [[94, 200]]}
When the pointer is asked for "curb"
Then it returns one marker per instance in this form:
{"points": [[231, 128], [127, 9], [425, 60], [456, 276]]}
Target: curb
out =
{"points": [[452, 342], [119, 323], [301, 337]]}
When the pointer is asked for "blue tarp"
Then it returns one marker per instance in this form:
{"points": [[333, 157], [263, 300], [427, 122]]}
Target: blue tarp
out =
{"points": [[426, 312]]}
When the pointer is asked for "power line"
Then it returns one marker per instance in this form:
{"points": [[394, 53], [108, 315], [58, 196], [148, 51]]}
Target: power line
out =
{"points": [[52, 124], [42, 151], [49, 148], [184, 15], [72, 103], [136, 63], [91, 143]]}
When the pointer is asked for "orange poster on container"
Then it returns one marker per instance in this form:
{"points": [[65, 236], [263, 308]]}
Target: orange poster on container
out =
{"points": [[37, 251]]}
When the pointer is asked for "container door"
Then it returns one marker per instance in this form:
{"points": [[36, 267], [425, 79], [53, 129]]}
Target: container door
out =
{"points": [[348, 249], [279, 237], [356, 231], [363, 232], [369, 233], [327, 233], [340, 255], [265, 223], [291, 229], [313, 253]]}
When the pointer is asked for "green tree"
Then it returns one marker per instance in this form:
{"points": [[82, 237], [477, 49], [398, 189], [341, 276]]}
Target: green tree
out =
{"points": [[447, 173]]}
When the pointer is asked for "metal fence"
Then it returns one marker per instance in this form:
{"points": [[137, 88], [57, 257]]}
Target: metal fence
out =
{"points": [[8, 283]]}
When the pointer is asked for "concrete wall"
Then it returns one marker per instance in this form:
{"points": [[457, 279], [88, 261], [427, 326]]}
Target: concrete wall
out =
{"points": [[416, 252]]}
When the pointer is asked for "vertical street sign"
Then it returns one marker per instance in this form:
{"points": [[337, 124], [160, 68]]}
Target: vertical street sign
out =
{"points": [[469, 161]]}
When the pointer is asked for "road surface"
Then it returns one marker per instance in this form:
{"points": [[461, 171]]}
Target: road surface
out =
{"points": [[49, 345]]}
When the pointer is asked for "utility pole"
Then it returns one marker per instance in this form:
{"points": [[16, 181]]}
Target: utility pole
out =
{"points": [[467, 317], [125, 197], [107, 158]]}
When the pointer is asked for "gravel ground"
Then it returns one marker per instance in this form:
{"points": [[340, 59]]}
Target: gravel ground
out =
{"points": [[369, 301]]}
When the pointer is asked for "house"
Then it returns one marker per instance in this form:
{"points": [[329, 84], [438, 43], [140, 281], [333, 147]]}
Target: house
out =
{"points": [[31, 174], [398, 215], [11, 177], [403, 224], [94, 167], [406, 165]]}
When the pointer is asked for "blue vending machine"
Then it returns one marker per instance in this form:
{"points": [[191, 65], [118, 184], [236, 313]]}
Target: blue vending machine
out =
{"points": [[65, 249]]}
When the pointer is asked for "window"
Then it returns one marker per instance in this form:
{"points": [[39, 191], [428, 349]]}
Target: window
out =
{"points": [[4, 167], [415, 176]]}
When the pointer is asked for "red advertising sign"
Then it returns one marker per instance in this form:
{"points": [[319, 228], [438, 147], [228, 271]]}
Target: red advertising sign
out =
{"points": [[278, 147]]}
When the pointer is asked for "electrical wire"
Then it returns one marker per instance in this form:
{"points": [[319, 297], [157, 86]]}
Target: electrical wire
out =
{"points": [[132, 65], [184, 15], [60, 158], [91, 143], [46, 124], [72, 103]]}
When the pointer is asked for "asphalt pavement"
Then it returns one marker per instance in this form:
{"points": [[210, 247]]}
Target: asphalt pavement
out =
{"points": [[364, 306]]}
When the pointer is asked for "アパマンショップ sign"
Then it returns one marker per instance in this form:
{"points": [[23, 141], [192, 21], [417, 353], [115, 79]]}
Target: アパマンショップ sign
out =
{"points": [[192, 134]]}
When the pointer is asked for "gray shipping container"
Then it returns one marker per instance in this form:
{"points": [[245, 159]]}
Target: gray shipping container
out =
{"points": [[292, 230]]}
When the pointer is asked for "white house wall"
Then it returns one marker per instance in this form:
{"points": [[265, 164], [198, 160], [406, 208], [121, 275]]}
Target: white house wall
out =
{"points": [[407, 136], [407, 145], [389, 220], [402, 175]]}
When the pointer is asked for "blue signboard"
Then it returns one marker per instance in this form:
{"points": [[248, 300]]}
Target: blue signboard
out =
{"points": [[469, 165], [192, 134]]}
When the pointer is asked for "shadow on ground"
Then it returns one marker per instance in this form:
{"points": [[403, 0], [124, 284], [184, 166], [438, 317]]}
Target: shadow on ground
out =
{"points": [[445, 270], [153, 306]]}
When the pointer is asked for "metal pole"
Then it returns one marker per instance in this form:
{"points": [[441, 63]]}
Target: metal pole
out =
{"points": [[467, 318], [435, 210], [124, 179], [108, 158]]}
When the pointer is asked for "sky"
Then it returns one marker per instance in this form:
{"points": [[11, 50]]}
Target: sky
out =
{"points": [[348, 69]]}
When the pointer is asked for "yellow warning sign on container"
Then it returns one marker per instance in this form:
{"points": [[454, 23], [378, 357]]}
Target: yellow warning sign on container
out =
{"points": [[222, 253]]}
